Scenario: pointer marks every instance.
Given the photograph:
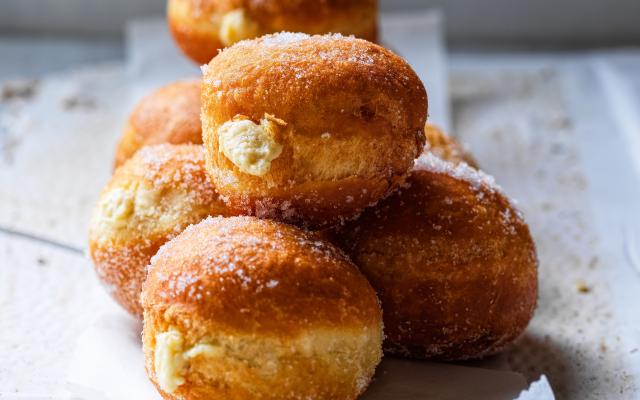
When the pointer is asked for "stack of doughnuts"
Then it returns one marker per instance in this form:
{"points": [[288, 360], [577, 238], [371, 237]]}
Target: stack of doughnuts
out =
{"points": [[319, 208], [310, 129]]}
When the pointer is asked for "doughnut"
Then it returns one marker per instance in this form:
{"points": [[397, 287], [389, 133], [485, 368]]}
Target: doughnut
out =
{"points": [[446, 147], [310, 130], [242, 308], [169, 115], [150, 199], [452, 261], [202, 27]]}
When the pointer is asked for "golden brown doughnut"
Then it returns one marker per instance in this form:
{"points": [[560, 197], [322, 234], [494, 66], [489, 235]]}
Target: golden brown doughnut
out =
{"points": [[150, 199], [242, 308], [310, 129], [446, 147], [168, 115], [202, 27], [452, 261]]}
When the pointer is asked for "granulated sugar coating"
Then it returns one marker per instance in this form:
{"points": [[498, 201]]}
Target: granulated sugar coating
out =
{"points": [[446, 147], [453, 263], [170, 114], [227, 262], [150, 199], [350, 118], [249, 289], [188, 174], [476, 177], [282, 38]]}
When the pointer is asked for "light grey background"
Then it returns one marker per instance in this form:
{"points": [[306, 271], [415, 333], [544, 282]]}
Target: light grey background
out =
{"points": [[545, 23]]}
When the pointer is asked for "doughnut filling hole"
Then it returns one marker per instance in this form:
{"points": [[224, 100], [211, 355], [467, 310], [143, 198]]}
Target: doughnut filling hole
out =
{"points": [[138, 206], [235, 26], [117, 206], [249, 146], [170, 358], [122, 205]]}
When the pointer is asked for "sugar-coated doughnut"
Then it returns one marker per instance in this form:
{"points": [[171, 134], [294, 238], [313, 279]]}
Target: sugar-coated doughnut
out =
{"points": [[242, 308], [171, 114], [150, 199], [202, 27], [446, 147], [310, 129], [452, 261]]}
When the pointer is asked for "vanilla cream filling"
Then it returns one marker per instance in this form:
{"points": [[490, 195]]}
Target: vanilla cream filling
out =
{"points": [[235, 26], [123, 211], [117, 206], [170, 358], [250, 146]]}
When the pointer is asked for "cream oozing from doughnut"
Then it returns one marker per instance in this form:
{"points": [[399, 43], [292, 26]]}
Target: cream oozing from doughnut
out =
{"points": [[242, 308], [236, 25], [116, 207], [203, 27], [121, 208], [168, 360], [250, 146], [172, 358], [354, 114], [151, 198]]}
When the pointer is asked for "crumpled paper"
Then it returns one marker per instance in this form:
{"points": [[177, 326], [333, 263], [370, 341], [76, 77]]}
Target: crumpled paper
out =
{"points": [[538, 390]]}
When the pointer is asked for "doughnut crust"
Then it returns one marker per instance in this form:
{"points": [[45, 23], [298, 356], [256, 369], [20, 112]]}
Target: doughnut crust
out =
{"points": [[242, 308], [452, 261], [169, 115], [446, 147], [202, 27], [344, 118], [150, 199]]}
